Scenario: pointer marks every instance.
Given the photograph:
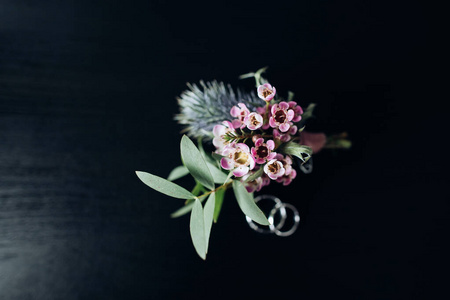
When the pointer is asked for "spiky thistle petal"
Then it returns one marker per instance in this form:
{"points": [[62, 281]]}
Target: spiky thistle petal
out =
{"points": [[203, 108]]}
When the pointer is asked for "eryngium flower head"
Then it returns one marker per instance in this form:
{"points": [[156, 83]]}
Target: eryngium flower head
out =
{"points": [[201, 108]]}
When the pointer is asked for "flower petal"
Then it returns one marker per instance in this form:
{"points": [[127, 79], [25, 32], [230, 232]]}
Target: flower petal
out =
{"points": [[290, 115], [274, 109], [270, 144], [226, 163], [235, 111], [240, 171], [252, 163], [259, 142], [243, 147], [283, 105], [284, 127], [218, 130], [272, 123]]}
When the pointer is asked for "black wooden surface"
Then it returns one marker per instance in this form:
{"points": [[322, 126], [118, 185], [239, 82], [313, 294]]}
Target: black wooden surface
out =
{"points": [[87, 96]]}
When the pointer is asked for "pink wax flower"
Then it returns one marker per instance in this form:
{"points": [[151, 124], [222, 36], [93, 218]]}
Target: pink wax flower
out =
{"points": [[253, 121], [240, 113], [237, 158], [254, 185], [298, 111], [262, 152], [287, 179], [266, 92], [262, 112], [281, 116], [219, 132], [284, 137], [274, 169], [286, 161]]}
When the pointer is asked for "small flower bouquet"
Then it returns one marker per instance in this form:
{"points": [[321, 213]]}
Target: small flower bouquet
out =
{"points": [[258, 139]]}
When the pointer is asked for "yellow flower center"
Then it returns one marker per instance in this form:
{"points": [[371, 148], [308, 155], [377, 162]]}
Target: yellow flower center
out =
{"points": [[273, 168], [266, 92], [240, 157]]}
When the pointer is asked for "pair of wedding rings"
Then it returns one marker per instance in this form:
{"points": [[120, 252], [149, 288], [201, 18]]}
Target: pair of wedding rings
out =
{"points": [[277, 218]]}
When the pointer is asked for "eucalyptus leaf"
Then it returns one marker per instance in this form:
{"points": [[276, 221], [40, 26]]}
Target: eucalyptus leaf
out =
{"points": [[197, 229], [208, 214], [228, 176], [195, 163], [220, 194], [301, 151], [164, 186], [206, 157], [185, 209], [177, 173], [247, 204], [255, 175], [216, 156], [218, 176]]}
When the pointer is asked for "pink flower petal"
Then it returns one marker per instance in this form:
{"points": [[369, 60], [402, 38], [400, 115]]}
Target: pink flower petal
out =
{"points": [[243, 146], [226, 163], [293, 130], [236, 123], [252, 163], [240, 171], [276, 134], [270, 144], [261, 110], [274, 109], [234, 112], [259, 142], [218, 130], [272, 123], [283, 105], [297, 119], [271, 156], [290, 115], [243, 107], [260, 161], [284, 127], [272, 176]]}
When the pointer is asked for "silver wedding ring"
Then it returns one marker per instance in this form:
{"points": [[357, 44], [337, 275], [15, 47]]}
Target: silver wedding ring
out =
{"points": [[278, 208]]}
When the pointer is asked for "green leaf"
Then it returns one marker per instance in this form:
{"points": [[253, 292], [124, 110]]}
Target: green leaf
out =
{"points": [[301, 151], [216, 156], [195, 163], [185, 209], [164, 186], [255, 175], [206, 157], [228, 176], [177, 173], [220, 193], [197, 189], [208, 214], [247, 204], [217, 174], [197, 229]]}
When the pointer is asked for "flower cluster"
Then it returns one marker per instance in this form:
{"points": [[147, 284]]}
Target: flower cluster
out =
{"points": [[249, 141], [256, 136]]}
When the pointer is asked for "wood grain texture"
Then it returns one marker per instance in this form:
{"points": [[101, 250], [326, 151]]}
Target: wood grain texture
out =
{"points": [[87, 96]]}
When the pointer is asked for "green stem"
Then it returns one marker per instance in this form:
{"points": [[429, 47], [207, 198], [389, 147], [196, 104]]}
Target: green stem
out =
{"points": [[223, 186]]}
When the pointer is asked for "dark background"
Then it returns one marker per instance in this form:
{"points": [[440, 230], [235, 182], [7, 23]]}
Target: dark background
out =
{"points": [[87, 96]]}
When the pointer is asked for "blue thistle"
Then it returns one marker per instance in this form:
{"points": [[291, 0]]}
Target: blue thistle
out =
{"points": [[203, 108]]}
